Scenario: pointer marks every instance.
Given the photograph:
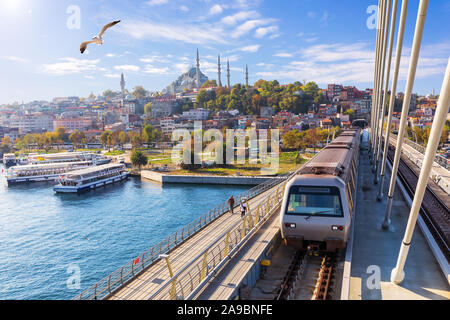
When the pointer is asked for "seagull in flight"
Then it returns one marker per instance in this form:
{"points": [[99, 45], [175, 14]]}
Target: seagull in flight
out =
{"points": [[98, 39]]}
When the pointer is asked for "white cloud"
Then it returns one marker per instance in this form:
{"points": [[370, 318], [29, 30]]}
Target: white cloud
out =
{"points": [[261, 32], [184, 8], [311, 14], [112, 75], [153, 70], [111, 55], [351, 63], [252, 48], [283, 55], [181, 67], [195, 34], [153, 3], [216, 9], [249, 25], [154, 58], [240, 16], [17, 59], [313, 39], [71, 66], [127, 67]]}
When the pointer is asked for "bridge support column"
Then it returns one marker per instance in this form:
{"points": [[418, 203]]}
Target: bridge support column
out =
{"points": [[386, 87], [375, 78], [381, 26], [433, 143], [380, 108], [420, 23], [398, 55]]}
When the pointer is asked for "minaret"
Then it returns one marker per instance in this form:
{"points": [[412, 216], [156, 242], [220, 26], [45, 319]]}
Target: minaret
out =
{"points": [[228, 73], [122, 83], [219, 83], [198, 70], [246, 76]]}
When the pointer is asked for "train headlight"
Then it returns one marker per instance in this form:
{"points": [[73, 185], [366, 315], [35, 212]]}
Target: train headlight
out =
{"points": [[337, 228], [290, 225]]}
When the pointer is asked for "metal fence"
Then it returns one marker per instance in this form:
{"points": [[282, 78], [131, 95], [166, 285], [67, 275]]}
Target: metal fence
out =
{"points": [[135, 267]]}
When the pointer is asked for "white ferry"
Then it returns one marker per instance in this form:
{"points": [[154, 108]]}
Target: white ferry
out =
{"points": [[91, 178], [42, 172], [68, 157], [9, 159]]}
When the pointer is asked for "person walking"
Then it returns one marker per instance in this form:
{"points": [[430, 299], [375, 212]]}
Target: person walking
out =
{"points": [[231, 204], [243, 207]]}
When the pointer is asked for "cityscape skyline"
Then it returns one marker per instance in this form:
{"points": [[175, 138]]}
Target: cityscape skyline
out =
{"points": [[156, 42]]}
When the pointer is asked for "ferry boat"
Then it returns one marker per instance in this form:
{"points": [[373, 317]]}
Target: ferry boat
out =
{"points": [[9, 160], [42, 172], [90, 178], [68, 157]]}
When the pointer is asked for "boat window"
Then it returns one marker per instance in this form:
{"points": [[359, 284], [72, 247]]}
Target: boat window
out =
{"points": [[314, 201]]}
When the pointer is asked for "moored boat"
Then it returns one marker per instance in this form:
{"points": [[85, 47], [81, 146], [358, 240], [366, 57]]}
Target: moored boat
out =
{"points": [[68, 157], [90, 178], [42, 172]]}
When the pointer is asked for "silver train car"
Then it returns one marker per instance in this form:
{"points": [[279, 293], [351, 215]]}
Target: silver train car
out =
{"points": [[318, 203]]}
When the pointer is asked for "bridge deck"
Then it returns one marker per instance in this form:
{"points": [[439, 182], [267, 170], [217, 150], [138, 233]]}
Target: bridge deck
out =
{"points": [[146, 284], [375, 247], [226, 282]]}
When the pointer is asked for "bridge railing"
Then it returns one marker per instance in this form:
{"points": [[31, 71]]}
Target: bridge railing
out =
{"points": [[135, 267], [443, 162], [187, 282]]}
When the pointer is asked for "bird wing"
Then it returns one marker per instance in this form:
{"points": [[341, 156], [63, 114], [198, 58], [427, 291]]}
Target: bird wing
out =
{"points": [[84, 45], [107, 26]]}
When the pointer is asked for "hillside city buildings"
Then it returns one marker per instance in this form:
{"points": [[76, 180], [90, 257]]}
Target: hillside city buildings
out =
{"points": [[124, 112]]}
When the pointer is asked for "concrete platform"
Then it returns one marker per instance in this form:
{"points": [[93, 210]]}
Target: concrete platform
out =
{"points": [[375, 251]]}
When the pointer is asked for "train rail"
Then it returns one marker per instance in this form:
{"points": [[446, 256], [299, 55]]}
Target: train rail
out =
{"points": [[435, 206], [309, 276]]}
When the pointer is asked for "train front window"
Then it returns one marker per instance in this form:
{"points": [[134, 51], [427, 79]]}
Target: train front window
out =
{"points": [[315, 201]]}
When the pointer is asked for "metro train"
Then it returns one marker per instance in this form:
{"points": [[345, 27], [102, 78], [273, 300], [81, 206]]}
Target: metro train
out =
{"points": [[318, 203]]}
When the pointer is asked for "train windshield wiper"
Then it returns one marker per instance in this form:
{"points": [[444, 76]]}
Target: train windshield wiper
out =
{"points": [[320, 212]]}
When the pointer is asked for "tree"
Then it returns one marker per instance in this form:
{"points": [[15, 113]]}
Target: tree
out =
{"points": [[349, 112], [139, 92], [135, 139], [311, 138], [138, 158], [209, 83], [148, 108], [104, 138], [60, 133], [122, 138], [294, 140], [5, 146], [76, 137], [108, 94], [148, 134]]}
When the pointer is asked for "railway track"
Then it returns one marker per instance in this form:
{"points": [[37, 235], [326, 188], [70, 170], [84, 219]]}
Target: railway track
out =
{"points": [[435, 206], [309, 275]]}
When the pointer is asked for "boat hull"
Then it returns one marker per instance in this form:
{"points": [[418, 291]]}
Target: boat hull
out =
{"points": [[90, 186], [12, 181]]}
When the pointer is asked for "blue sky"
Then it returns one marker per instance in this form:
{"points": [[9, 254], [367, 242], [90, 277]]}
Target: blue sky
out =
{"points": [[326, 41]]}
